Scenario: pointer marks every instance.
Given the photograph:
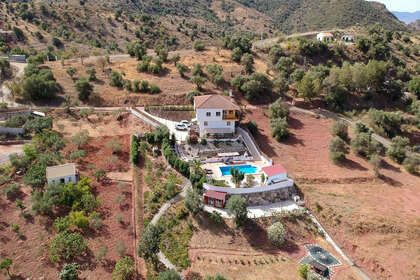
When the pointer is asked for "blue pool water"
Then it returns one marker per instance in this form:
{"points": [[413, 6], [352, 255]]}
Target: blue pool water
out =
{"points": [[247, 169]]}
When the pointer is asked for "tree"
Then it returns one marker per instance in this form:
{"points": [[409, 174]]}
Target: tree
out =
{"points": [[192, 201], [237, 176], [338, 149], [279, 109], [69, 272], [124, 268], [5, 69], [340, 129], [84, 89], [149, 243], [168, 275], [102, 62], [276, 234], [67, 245], [37, 124], [414, 86], [375, 161], [38, 84], [303, 271], [116, 79], [35, 176], [236, 54], [181, 69], [279, 129], [285, 65], [411, 164], [398, 149], [237, 205], [80, 138], [307, 88], [198, 81], [199, 46], [247, 61], [136, 49], [92, 74], [6, 264], [175, 58], [71, 71], [365, 145], [275, 53]]}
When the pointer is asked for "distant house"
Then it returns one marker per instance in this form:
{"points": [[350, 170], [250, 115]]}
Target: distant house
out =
{"points": [[64, 173], [216, 115], [325, 37], [215, 199], [347, 38], [274, 174]]}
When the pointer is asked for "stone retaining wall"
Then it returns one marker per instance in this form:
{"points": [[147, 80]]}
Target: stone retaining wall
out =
{"points": [[268, 197]]}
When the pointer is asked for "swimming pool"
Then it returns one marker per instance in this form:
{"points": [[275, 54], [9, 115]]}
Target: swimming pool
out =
{"points": [[247, 169]]}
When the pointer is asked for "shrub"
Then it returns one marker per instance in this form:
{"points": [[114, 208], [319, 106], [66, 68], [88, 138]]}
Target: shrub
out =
{"points": [[80, 138], [192, 201], [414, 86], [216, 217], [69, 272], [92, 74], [114, 145], [71, 71], [279, 129], [38, 84], [181, 69], [154, 89], [199, 46], [386, 123], [308, 88], [134, 149], [411, 164], [375, 161], [247, 60], [149, 242], [168, 275], [35, 176], [37, 124], [336, 98], [236, 54], [12, 191], [144, 86], [78, 154], [365, 145], [398, 149], [123, 269], [120, 248], [279, 109], [276, 234], [338, 149], [79, 219], [67, 245], [116, 79], [101, 254], [237, 205], [340, 129], [303, 271], [62, 224], [252, 127]]}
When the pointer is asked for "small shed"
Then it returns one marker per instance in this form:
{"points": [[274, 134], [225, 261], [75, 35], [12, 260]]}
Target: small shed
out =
{"points": [[215, 198], [63, 173], [325, 36], [274, 174], [319, 268], [348, 38]]}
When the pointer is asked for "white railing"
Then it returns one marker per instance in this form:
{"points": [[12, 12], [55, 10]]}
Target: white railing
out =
{"points": [[223, 159], [284, 184]]}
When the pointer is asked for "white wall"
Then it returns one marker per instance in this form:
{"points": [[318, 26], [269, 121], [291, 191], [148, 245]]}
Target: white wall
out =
{"points": [[67, 179], [284, 184], [213, 121]]}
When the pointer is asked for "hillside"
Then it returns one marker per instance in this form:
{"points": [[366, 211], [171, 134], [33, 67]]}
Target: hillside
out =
{"points": [[407, 17], [109, 25]]}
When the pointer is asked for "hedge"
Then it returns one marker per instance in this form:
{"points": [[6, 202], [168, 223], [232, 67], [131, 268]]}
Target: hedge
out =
{"points": [[134, 149], [181, 166]]}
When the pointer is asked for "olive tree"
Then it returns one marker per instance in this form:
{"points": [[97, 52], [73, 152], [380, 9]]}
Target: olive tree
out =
{"points": [[276, 234], [237, 206], [192, 201]]}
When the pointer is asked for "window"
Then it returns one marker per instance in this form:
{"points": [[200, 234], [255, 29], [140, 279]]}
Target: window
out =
{"points": [[228, 123], [217, 114], [206, 123], [230, 112], [62, 180], [208, 114]]}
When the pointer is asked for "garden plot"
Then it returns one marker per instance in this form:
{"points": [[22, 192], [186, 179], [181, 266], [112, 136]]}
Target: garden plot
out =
{"points": [[212, 149]]}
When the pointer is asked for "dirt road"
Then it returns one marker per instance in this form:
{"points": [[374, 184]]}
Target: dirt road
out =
{"points": [[6, 150]]}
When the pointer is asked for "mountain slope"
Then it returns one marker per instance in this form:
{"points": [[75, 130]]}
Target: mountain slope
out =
{"points": [[407, 17]]}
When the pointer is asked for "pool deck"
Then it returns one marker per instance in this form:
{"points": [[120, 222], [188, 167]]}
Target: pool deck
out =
{"points": [[217, 173]]}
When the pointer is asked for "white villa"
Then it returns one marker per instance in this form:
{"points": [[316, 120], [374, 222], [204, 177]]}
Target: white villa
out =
{"points": [[64, 173], [274, 174], [325, 37], [349, 38], [216, 114]]}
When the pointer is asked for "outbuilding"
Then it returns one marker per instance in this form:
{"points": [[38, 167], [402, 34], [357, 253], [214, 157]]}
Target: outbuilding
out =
{"points": [[325, 36], [63, 173], [348, 38], [274, 174], [215, 199]]}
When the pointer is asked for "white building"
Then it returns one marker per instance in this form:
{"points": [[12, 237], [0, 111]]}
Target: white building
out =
{"points": [[325, 37], [274, 174], [347, 38], [64, 173], [216, 115]]}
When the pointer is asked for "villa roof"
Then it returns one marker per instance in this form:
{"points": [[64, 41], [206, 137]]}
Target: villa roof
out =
{"points": [[274, 170], [63, 170], [318, 266], [215, 194], [326, 34], [214, 101]]}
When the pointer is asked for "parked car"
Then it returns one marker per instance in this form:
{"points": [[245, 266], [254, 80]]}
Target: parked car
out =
{"points": [[187, 123], [181, 126]]}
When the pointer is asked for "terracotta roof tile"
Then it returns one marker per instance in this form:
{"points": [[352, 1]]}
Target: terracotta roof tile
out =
{"points": [[274, 170], [214, 102]]}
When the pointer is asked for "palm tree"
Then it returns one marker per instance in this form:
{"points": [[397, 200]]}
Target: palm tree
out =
{"points": [[237, 176]]}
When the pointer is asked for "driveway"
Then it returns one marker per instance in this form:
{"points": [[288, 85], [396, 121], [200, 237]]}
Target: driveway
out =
{"points": [[6, 150], [180, 135]]}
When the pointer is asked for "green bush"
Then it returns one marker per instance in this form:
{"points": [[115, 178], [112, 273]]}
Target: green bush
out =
{"points": [[199, 46], [236, 205], [168, 275], [116, 79], [78, 154], [69, 272], [193, 201], [276, 234], [38, 84], [154, 89], [124, 268], [386, 123], [134, 149], [12, 191], [338, 149], [340, 129], [67, 245], [365, 145], [62, 224], [398, 149], [411, 164], [279, 129], [252, 127], [279, 109]]}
